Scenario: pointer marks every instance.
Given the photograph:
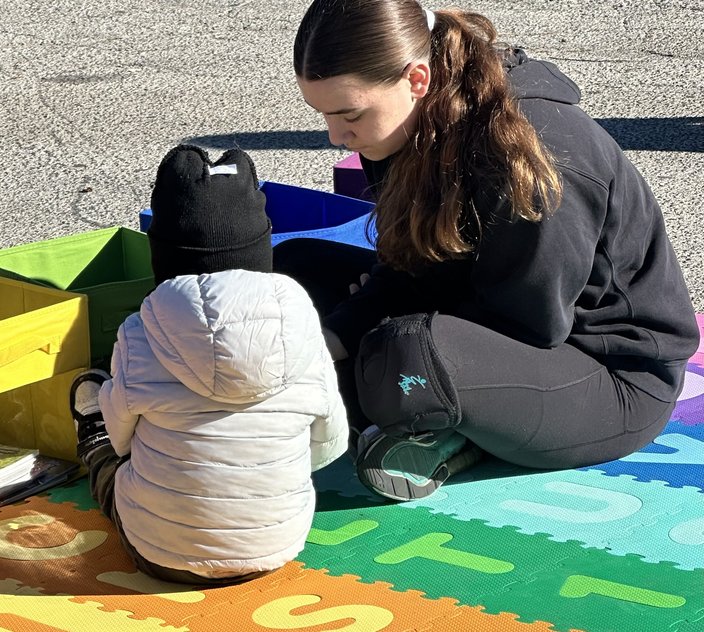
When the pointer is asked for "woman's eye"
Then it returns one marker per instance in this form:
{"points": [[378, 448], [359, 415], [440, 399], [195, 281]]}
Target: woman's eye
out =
{"points": [[353, 119]]}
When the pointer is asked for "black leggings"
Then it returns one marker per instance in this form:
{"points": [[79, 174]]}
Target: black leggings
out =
{"points": [[541, 408]]}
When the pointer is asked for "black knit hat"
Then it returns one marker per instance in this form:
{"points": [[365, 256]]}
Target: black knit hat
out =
{"points": [[208, 217]]}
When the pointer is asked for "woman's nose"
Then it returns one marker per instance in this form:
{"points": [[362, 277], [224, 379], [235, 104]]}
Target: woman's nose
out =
{"points": [[337, 133]]}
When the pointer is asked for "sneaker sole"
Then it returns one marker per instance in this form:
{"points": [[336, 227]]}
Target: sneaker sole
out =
{"points": [[398, 486]]}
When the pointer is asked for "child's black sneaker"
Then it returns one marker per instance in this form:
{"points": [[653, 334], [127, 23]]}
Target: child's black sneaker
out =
{"points": [[83, 401]]}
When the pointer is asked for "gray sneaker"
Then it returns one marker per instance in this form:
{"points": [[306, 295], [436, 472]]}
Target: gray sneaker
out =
{"points": [[413, 467]]}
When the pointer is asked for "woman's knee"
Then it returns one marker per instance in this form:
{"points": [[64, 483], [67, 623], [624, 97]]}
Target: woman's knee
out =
{"points": [[402, 384]]}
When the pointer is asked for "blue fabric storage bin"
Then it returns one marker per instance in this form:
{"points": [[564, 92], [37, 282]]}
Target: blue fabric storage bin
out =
{"points": [[299, 212]]}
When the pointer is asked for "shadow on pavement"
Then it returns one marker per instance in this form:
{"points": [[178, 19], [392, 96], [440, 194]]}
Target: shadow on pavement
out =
{"points": [[680, 133], [277, 139], [646, 134]]}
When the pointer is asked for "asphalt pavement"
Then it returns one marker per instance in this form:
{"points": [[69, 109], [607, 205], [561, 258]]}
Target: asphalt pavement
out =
{"points": [[93, 93]]}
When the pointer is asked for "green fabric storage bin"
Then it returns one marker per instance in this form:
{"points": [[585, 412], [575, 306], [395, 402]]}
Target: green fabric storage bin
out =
{"points": [[111, 266]]}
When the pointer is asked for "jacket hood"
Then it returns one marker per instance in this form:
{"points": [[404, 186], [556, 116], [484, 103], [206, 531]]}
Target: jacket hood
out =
{"points": [[235, 336], [537, 79]]}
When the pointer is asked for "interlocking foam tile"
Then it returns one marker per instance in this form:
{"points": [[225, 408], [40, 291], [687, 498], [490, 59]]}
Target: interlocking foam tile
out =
{"points": [[76, 493], [499, 568], [613, 547], [676, 457], [617, 514], [690, 405]]}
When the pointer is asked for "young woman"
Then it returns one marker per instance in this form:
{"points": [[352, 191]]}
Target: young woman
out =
{"points": [[526, 301]]}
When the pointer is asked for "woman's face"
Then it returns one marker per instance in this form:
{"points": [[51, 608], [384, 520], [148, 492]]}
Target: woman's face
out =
{"points": [[372, 119]]}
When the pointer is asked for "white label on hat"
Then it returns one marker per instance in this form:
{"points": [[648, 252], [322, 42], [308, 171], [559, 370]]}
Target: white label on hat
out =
{"points": [[228, 170]]}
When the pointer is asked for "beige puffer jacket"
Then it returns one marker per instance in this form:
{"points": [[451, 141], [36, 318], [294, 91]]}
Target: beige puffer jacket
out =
{"points": [[226, 396]]}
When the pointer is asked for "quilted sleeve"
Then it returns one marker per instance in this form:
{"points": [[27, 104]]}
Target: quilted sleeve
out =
{"points": [[329, 433], [119, 421]]}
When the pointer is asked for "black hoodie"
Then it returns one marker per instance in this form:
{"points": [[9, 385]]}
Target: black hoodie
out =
{"points": [[599, 274]]}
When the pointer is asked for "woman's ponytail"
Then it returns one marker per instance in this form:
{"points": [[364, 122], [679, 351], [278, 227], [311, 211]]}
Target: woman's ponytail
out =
{"points": [[472, 141]]}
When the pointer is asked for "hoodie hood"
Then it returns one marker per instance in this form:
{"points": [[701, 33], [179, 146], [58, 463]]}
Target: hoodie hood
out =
{"points": [[536, 79], [235, 336]]}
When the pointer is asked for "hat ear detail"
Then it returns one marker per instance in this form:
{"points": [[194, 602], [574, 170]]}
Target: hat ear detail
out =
{"points": [[208, 217]]}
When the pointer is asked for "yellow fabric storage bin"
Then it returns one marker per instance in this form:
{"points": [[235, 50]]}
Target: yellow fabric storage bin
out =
{"points": [[38, 416], [44, 342]]}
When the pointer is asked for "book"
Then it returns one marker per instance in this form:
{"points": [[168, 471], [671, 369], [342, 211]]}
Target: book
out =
{"points": [[15, 463], [44, 472]]}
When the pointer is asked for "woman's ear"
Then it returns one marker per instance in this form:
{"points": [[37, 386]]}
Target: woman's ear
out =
{"points": [[418, 75]]}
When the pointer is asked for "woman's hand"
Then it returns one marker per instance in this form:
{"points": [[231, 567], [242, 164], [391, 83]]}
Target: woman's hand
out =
{"points": [[354, 288]]}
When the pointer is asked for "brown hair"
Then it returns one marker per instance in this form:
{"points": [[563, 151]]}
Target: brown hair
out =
{"points": [[471, 139]]}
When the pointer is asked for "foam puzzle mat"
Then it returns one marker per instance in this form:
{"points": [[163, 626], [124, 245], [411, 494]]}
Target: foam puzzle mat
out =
{"points": [[613, 547]]}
